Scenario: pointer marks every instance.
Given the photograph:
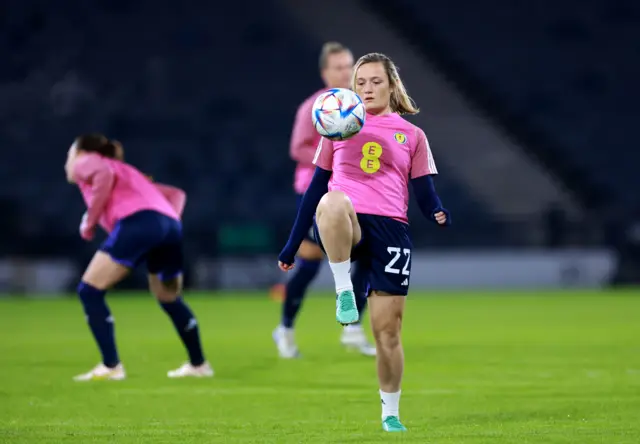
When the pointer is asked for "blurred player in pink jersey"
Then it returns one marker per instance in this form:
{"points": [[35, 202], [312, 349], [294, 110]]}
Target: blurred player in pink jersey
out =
{"points": [[360, 197], [336, 69], [143, 222]]}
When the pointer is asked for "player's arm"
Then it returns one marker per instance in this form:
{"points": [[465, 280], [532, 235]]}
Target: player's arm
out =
{"points": [[301, 146], [429, 201], [423, 168], [176, 197], [317, 188], [94, 170]]}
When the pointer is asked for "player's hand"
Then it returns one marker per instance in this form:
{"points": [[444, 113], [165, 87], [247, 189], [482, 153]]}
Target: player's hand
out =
{"points": [[86, 232], [285, 267], [287, 258], [442, 217]]}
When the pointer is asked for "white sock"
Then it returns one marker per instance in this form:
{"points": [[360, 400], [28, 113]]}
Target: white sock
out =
{"points": [[342, 275], [390, 403]]}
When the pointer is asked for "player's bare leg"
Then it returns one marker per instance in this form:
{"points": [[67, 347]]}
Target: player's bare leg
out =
{"points": [[168, 293], [101, 274], [386, 322], [338, 226], [340, 232]]}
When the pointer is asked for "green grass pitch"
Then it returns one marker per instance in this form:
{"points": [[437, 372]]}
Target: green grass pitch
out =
{"points": [[554, 367]]}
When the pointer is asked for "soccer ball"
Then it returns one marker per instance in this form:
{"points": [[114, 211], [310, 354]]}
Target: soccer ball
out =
{"points": [[338, 114]]}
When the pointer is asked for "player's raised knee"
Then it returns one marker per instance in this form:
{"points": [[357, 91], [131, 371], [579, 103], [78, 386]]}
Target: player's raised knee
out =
{"points": [[334, 202]]}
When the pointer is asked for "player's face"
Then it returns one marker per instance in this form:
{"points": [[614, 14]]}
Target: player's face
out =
{"points": [[72, 155], [372, 85], [339, 69]]}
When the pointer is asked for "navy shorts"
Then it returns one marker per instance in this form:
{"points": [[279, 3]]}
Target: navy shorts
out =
{"points": [[384, 252], [147, 236], [309, 236]]}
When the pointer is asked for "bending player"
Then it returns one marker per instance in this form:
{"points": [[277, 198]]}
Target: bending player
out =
{"points": [[143, 222], [336, 68], [355, 219]]}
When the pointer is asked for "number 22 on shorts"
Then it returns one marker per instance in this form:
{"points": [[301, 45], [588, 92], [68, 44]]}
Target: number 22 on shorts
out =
{"points": [[392, 266]]}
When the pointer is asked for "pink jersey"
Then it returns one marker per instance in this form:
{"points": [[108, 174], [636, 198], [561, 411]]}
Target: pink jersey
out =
{"points": [[304, 141], [114, 190], [374, 167]]}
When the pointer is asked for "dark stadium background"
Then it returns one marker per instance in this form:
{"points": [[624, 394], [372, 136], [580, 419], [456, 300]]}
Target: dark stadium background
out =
{"points": [[530, 108]]}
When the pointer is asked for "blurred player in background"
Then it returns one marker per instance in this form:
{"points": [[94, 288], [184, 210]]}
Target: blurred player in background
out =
{"points": [[336, 68], [360, 197], [143, 222]]}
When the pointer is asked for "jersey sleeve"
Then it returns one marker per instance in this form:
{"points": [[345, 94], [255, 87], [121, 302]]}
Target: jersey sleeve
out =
{"points": [[176, 197], [303, 136], [324, 155], [94, 170], [422, 162]]}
